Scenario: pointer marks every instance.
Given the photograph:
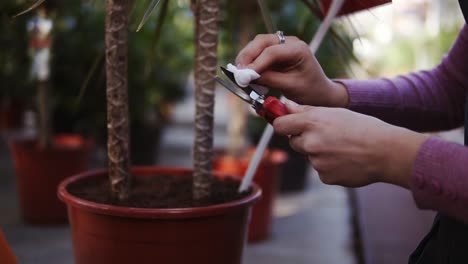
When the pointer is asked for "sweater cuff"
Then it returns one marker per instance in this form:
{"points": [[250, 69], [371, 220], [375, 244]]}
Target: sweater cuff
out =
{"points": [[366, 93], [438, 180]]}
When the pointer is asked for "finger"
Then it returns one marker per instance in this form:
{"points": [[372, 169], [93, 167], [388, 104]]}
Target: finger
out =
{"points": [[306, 143], [295, 108], [294, 123], [287, 54], [314, 162], [319, 162], [297, 144], [291, 124], [248, 54], [274, 80]]}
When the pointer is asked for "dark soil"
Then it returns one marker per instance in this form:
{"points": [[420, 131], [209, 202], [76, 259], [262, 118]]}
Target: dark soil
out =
{"points": [[157, 192]]}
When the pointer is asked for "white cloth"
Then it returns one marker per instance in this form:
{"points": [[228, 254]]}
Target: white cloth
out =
{"points": [[243, 76]]}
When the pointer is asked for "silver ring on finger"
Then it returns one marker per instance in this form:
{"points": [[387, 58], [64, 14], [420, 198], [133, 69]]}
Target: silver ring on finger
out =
{"points": [[281, 37]]}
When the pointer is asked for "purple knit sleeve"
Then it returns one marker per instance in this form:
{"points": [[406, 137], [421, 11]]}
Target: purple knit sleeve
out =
{"points": [[427, 101], [430, 100], [440, 178]]}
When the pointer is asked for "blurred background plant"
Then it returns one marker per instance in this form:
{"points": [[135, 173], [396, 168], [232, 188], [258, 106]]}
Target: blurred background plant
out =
{"points": [[160, 59], [14, 62], [16, 91], [156, 79], [406, 36]]}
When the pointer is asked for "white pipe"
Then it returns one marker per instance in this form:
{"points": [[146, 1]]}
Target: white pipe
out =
{"points": [[268, 132], [326, 24]]}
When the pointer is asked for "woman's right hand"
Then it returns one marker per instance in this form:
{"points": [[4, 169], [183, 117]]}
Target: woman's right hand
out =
{"points": [[292, 69]]}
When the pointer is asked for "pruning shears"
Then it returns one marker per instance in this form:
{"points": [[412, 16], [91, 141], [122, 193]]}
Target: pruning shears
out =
{"points": [[268, 107]]}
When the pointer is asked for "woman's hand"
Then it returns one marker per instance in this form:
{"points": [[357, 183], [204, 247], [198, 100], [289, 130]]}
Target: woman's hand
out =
{"points": [[350, 149], [292, 69]]}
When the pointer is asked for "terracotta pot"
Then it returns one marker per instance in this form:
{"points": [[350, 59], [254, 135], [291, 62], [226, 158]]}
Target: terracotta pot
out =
{"points": [[351, 6], [39, 172], [6, 255], [266, 177], [296, 166], [10, 115], [106, 234]]}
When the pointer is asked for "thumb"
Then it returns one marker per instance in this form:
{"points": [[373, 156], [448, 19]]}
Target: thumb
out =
{"points": [[295, 108]]}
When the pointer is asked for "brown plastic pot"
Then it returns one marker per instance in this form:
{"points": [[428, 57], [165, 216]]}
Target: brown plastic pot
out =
{"points": [[267, 177], [39, 172], [106, 234]]}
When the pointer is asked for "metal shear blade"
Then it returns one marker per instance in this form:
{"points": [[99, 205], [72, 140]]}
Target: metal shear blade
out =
{"points": [[260, 90], [234, 90]]}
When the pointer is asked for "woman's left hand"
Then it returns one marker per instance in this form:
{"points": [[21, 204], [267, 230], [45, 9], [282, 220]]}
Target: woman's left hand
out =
{"points": [[350, 149]]}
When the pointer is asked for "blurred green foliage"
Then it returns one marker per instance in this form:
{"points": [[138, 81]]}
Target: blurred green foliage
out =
{"points": [[404, 54], [14, 62], [158, 62], [156, 76]]}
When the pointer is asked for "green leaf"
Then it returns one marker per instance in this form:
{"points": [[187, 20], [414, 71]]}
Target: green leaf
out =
{"points": [[314, 8], [149, 10], [156, 36], [266, 15], [38, 3], [90, 74]]}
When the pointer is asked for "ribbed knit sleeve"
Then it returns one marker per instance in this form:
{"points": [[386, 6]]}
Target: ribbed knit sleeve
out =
{"points": [[430, 100], [427, 101], [440, 178]]}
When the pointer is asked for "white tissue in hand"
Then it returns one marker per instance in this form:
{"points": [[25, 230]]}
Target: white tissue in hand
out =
{"points": [[243, 76]]}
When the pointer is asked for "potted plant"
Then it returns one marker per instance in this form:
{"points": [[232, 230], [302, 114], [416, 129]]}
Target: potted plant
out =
{"points": [[42, 162], [121, 214]]}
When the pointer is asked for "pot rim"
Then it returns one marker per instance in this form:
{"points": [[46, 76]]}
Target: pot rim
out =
{"points": [[273, 156], [28, 143], [150, 213]]}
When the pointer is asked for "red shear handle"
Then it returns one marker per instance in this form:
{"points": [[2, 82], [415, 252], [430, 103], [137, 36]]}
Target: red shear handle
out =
{"points": [[272, 108]]}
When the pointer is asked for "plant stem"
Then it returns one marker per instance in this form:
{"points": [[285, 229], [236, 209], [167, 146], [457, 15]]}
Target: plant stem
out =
{"points": [[117, 97], [205, 70], [44, 114]]}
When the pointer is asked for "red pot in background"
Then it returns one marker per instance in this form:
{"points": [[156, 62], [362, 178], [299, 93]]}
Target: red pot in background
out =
{"points": [[106, 234], [6, 255], [351, 6], [39, 172], [11, 113], [267, 177]]}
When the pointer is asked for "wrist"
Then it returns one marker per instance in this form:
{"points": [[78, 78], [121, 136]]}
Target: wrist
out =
{"points": [[339, 96], [400, 148]]}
